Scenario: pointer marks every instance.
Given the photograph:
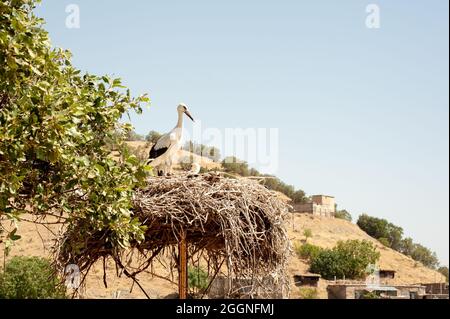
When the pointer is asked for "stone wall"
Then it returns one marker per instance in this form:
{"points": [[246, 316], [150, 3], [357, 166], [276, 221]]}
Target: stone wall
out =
{"points": [[314, 209], [350, 291]]}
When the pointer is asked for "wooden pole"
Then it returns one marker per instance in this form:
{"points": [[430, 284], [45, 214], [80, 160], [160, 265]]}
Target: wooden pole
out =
{"points": [[182, 267]]}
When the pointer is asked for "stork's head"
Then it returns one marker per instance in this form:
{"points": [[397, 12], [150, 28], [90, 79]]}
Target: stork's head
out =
{"points": [[182, 108]]}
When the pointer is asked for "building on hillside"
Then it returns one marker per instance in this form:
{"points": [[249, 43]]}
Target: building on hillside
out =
{"points": [[307, 280], [320, 205], [436, 290], [387, 274], [362, 290]]}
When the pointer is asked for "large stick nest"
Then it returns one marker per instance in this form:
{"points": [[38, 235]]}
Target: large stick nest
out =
{"points": [[234, 224]]}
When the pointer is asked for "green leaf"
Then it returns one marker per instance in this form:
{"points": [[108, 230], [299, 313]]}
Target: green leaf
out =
{"points": [[13, 235], [40, 154], [100, 169]]}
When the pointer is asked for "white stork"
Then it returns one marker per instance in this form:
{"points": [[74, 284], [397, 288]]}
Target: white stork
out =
{"points": [[164, 154]]}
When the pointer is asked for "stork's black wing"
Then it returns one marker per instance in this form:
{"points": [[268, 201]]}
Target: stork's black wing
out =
{"points": [[155, 153]]}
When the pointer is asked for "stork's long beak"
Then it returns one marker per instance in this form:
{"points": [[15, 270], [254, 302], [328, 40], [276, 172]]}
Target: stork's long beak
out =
{"points": [[189, 115]]}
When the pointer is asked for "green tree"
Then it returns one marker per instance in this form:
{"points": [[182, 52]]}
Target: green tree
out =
{"points": [[444, 270], [210, 152], [213, 153], [198, 278], [395, 236], [419, 253], [384, 241], [299, 196], [356, 256], [253, 172], [233, 165], [328, 264], [133, 136], [381, 228], [348, 259], [343, 214], [57, 126], [424, 255], [152, 137], [30, 278], [274, 183], [407, 246]]}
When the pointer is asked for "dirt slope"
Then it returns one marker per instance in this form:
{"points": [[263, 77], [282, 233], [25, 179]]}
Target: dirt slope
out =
{"points": [[37, 240]]}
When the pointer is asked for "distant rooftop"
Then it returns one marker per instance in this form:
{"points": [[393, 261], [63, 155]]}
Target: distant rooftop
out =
{"points": [[323, 195]]}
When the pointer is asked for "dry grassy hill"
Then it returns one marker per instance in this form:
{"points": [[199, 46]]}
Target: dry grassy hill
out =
{"points": [[37, 240]]}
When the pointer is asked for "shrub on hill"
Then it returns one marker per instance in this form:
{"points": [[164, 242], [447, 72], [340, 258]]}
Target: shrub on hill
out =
{"points": [[370, 295], [152, 137], [30, 278], [343, 214], [198, 278], [308, 293], [307, 251], [348, 259]]}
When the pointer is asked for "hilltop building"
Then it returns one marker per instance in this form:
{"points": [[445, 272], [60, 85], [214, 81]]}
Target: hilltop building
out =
{"points": [[320, 205]]}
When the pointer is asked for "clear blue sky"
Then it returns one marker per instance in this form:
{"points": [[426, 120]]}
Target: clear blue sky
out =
{"points": [[363, 113]]}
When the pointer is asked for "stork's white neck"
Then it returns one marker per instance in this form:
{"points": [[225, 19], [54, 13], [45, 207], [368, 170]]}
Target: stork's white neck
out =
{"points": [[180, 120]]}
